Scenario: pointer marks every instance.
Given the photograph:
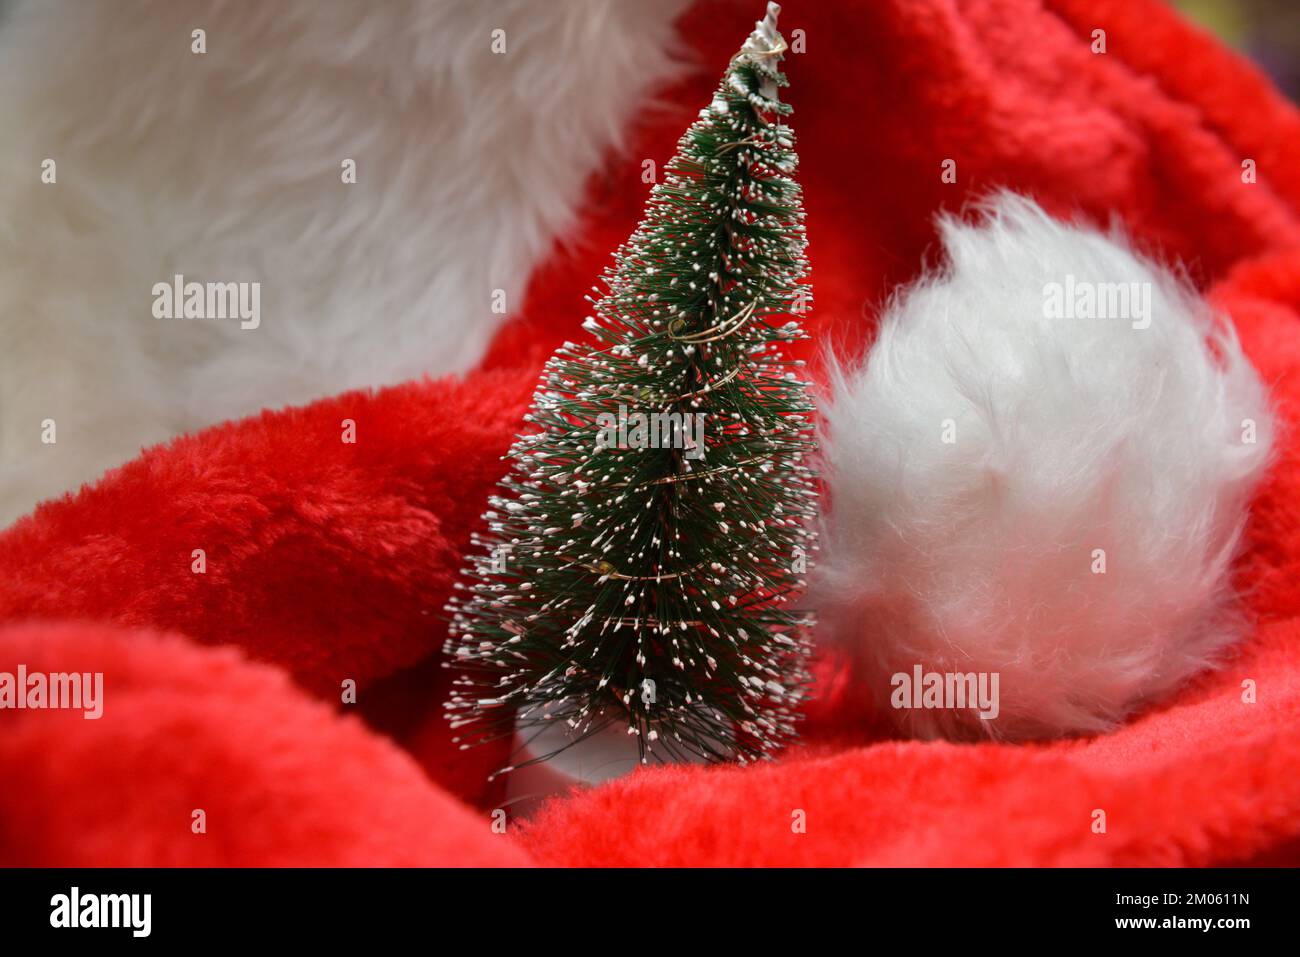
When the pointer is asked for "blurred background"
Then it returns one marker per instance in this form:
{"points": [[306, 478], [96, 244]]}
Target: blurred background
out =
{"points": [[1268, 31]]}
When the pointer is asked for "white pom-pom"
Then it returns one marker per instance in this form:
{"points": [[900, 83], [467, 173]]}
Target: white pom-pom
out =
{"points": [[1028, 485]]}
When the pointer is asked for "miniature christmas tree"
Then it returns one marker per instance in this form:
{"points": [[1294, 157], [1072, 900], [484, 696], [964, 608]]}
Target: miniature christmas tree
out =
{"points": [[645, 547]]}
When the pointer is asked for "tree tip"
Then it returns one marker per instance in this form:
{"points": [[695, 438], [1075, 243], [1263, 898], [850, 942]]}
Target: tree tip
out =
{"points": [[766, 40]]}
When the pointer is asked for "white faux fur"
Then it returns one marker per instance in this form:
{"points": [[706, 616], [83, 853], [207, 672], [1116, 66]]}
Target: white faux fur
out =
{"points": [[226, 166], [1068, 435]]}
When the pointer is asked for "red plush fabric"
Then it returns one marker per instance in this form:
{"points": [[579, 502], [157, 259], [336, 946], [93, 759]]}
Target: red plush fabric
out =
{"points": [[281, 780], [330, 561]]}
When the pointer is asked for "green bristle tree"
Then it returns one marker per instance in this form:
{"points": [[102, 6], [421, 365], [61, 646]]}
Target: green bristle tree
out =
{"points": [[656, 523]]}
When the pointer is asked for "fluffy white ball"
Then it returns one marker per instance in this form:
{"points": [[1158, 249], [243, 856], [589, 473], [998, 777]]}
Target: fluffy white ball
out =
{"points": [[1022, 487]]}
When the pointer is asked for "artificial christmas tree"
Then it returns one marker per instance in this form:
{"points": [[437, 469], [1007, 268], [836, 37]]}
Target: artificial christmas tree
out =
{"points": [[645, 547]]}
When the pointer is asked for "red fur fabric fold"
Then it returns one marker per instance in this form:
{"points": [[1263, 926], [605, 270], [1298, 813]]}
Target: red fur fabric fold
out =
{"points": [[328, 562], [201, 758]]}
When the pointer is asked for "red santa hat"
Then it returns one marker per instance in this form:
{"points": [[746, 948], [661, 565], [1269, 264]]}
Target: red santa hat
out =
{"points": [[325, 563]]}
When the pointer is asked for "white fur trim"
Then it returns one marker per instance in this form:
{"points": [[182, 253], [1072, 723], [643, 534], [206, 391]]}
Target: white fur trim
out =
{"points": [[226, 166], [1069, 435]]}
